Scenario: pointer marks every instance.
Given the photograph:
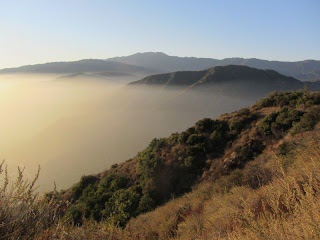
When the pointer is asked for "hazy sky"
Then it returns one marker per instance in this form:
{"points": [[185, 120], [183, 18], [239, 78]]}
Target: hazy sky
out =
{"points": [[37, 31]]}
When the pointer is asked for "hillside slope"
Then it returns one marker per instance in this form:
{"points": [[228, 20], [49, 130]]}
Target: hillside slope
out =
{"points": [[276, 196], [203, 153]]}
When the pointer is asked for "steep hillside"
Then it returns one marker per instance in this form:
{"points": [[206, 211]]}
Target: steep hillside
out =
{"points": [[170, 167], [303, 70], [276, 196]]}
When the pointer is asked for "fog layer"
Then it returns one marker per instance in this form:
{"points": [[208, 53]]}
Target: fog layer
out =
{"points": [[75, 128]]}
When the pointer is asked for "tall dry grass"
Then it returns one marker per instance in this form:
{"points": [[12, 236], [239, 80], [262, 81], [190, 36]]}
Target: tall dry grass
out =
{"points": [[23, 213]]}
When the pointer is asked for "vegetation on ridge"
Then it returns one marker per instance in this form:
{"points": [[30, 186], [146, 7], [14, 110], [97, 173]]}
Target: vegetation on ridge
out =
{"points": [[170, 167]]}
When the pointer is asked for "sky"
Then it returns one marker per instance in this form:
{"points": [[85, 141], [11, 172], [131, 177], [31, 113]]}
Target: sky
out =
{"points": [[39, 31]]}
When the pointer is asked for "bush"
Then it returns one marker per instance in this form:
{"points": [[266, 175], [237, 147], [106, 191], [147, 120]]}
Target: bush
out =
{"points": [[243, 112], [266, 123], [183, 137], [194, 139], [204, 125], [114, 165], [308, 121], [236, 126], [123, 205], [290, 99], [247, 152], [112, 183], [84, 182], [285, 148], [146, 204]]}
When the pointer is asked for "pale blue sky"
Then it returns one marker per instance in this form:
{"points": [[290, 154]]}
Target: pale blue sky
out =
{"points": [[37, 31]]}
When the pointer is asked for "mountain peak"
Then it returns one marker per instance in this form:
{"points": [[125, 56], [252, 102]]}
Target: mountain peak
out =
{"points": [[150, 54]]}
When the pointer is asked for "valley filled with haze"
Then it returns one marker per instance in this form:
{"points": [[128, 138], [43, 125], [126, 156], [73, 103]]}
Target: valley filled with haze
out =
{"points": [[81, 126]]}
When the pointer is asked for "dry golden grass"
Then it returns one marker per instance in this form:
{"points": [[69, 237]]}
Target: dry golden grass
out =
{"points": [[23, 213]]}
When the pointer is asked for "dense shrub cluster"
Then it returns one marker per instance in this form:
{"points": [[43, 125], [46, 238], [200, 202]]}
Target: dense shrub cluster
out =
{"points": [[111, 199], [292, 99], [170, 166], [308, 121], [278, 123]]}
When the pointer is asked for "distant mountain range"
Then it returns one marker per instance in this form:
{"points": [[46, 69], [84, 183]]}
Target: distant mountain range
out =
{"points": [[234, 80], [159, 62], [144, 64], [82, 67]]}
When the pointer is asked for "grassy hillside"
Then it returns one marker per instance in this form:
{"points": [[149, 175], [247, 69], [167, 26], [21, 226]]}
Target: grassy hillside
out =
{"points": [[248, 174]]}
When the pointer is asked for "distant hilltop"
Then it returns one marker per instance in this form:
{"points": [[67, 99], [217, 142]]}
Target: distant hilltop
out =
{"points": [[231, 80], [144, 64]]}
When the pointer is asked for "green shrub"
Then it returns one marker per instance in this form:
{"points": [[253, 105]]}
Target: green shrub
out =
{"points": [[285, 120], [194, 139], [235, 126], [112, 183], [84, 182], [266, 123], [247, 152], [308, 121], [146, 203], [290, 99], [205, 125], [183, 137], [75, 214], [243, 112], [123, 205]]}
